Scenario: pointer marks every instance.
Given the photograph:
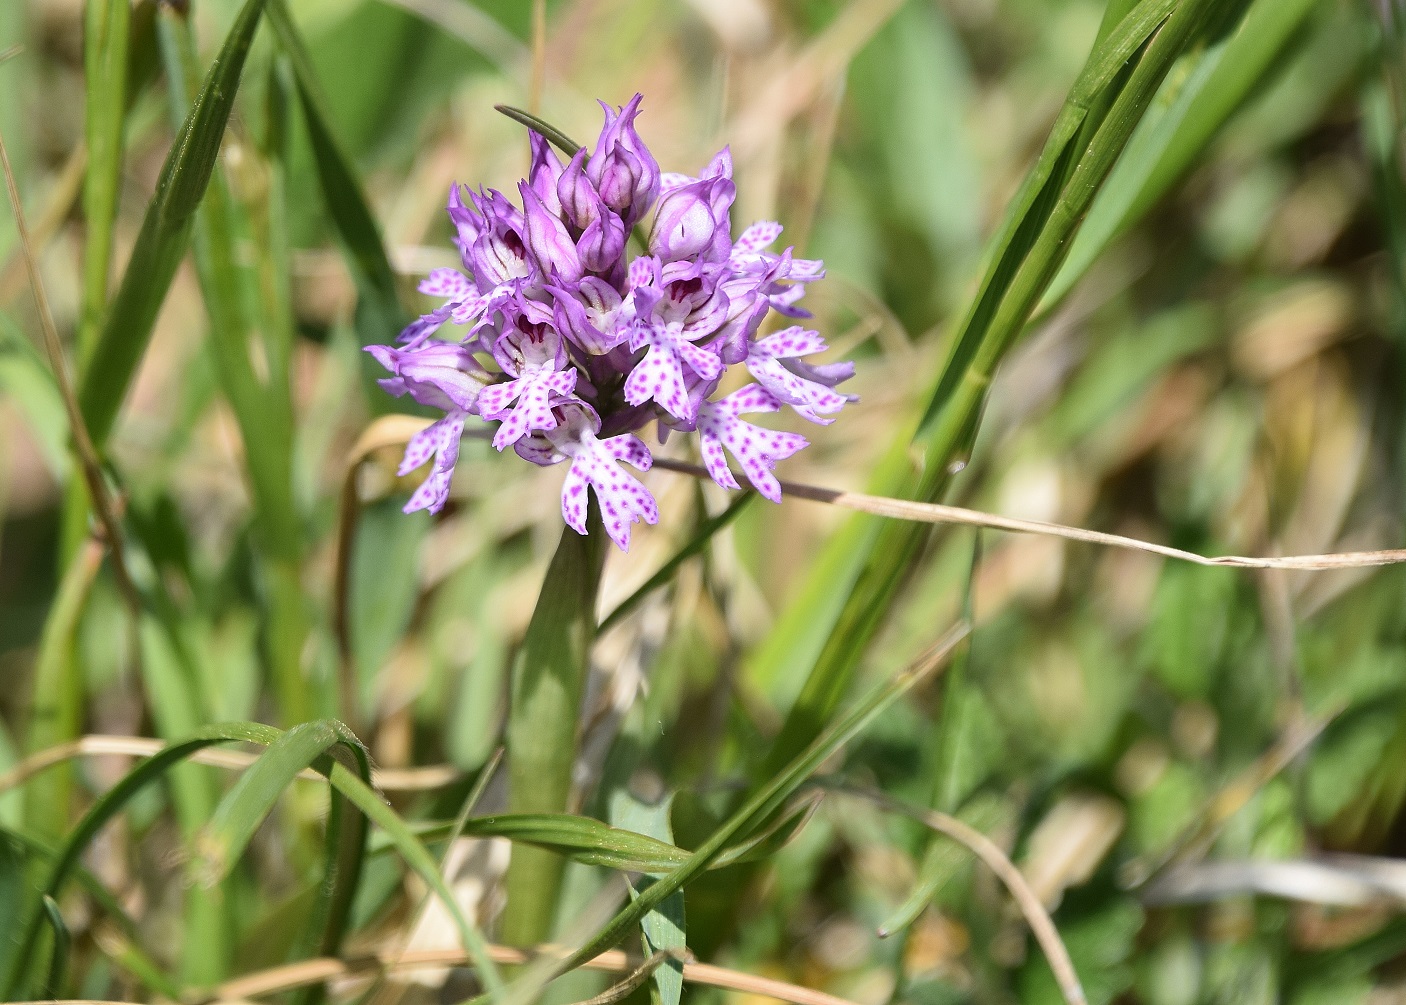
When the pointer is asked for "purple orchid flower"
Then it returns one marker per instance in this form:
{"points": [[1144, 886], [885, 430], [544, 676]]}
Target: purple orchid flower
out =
{"points": [[591, 346]]}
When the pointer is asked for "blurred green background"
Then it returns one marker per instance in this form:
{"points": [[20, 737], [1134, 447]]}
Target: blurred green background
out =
{"points": [[1218, 368]]}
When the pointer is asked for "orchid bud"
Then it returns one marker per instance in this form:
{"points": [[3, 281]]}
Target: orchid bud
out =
{"points": [[548, 243], [603, 243], [684, 223], [439, 374], [580, 204], [621, 167], [545, 172]]}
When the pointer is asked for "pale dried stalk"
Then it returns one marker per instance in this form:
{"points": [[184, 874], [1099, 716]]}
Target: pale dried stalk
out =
{"points": [[82, 442], [1041, 924], [433, 776], [903, 509], [278, 979]]}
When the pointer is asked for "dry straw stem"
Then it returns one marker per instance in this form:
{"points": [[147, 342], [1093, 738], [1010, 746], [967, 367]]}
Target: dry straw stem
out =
{"points": [[67, 186], [903, 509], [433, 776], [1041, 924], [82, 442], [395, 430], [293, 975]]}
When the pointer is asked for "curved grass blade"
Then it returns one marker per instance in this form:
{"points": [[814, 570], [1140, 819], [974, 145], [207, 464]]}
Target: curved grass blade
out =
{"points": [[696, 544], [343, 194], [345, 781], [250, 800], [553, 135], [165, 232], [1022, 263], [758, 809], [58, 959], [663, 928], [1179, 127]]}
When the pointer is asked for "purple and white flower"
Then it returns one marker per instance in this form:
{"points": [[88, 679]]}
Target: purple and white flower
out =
{"points": [[589, 346]]}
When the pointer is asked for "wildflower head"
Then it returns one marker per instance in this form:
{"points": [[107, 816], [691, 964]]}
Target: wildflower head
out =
{"points": [[572, 346]]}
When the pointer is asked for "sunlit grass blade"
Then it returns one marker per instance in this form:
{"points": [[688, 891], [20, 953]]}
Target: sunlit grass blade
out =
{"points": [[760, 807], [251, 799], [56, 705], [664, 928], [1217, 82], [537, 124], [165, 232], [696, 544], [342, 192], [1023, 260], [105, 31]]}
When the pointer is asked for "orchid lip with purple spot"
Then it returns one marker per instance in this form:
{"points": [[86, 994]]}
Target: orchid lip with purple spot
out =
{"points": [[591, 345]]}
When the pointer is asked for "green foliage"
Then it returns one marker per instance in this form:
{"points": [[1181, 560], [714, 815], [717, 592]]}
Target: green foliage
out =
{"points": [[1137, 265]]}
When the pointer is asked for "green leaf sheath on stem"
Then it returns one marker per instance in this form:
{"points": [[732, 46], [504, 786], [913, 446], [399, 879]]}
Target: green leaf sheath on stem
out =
{"points": [[105, 32], [165, 232], [547, 682], [1023, 259]]}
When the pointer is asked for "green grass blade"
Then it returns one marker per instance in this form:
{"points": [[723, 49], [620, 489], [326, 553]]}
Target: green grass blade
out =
{"points": [[1023, 261], [165, 232], [756, 812], [58, 958], [664, 928], [695, 544], [250, 800], [342, 192], [57, 703], [1180, 125], [106, 29], [262, 406]]}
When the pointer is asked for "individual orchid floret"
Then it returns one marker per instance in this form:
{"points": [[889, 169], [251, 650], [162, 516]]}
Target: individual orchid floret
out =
{"points": [[595, 465], [755, 448], [437, 374], [589, 345], [440, 441], [592, 314], [532, 353], [776, 364], [622, 169], [548, 244]]}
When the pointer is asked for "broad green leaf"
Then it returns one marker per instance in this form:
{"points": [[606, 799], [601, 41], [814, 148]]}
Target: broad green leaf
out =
{"points": [[663, 927], [161, 242], [547, 683]]}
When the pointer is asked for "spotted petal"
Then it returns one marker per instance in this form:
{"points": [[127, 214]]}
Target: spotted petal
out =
{"points": [[659, 376], [533, 392], [756, 449], [440, 441], [622, 499]]}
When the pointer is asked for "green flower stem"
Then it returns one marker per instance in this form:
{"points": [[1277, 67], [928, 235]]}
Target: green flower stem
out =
{"points": [[547, 682]]}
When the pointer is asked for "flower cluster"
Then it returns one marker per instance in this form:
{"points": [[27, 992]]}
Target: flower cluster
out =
{"points": [[587, 347]]}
